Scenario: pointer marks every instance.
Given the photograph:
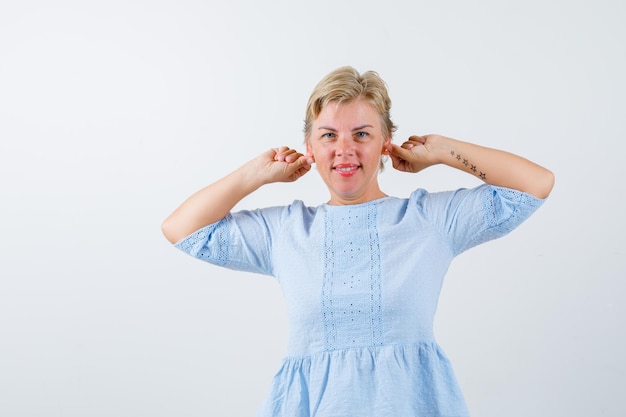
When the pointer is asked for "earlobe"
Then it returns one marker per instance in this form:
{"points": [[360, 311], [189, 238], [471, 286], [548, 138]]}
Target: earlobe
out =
{"points": [[385, 150]]}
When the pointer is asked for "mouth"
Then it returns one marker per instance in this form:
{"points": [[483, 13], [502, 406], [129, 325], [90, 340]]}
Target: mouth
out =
{"points": [[346, 170]]}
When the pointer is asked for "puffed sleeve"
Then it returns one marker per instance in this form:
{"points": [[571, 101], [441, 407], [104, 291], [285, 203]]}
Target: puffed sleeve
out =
{"points": [[468, 217], [240, 241]]}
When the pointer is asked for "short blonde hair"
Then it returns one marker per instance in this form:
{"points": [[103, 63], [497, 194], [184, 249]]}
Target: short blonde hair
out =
{"points": [[344, 85]]}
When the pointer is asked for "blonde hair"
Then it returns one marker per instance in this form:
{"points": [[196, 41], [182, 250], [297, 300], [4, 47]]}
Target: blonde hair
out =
{"points": [[344, 85]]}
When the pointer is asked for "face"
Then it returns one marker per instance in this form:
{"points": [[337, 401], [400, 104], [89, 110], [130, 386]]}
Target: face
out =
{"points": [[346, 143]]}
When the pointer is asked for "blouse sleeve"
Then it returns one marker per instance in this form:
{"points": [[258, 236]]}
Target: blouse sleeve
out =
{"points": [[469, 217], [240, 241]]}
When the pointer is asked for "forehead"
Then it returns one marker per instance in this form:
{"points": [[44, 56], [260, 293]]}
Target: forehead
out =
{"points": [[354, 112]]}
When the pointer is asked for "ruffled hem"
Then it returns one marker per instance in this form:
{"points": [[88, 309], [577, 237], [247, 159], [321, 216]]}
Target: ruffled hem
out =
{"points": [[392, 380]]}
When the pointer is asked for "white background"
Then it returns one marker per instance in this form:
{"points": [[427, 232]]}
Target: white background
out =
{"points": [[112, 112]]}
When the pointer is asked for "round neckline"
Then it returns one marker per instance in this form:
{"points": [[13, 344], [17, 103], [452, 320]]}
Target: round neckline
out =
{"points": [[364, 204]]}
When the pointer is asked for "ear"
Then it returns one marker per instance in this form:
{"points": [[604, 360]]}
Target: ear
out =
{"points": [[309, 150], [386, 143]]}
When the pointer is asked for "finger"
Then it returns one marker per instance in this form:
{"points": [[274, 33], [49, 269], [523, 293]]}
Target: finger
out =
{"points": [[304, 168], [283, 152], [392, 151], [295, 161], [292, 155], [413, 141], [301, 165], [281, 149], [397, 161], [417, 139], [304, 161], [277, 153], [399, 151]]}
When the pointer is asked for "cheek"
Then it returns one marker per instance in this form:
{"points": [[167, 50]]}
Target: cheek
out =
{"points": [[319, 153], [312, 150]]}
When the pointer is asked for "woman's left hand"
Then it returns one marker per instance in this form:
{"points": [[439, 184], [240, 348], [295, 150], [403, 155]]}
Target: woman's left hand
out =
{"points": [[414, 155]]}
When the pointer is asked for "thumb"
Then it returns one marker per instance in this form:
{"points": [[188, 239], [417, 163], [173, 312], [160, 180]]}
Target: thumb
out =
{"points": [[398, 151], [303, 161]]}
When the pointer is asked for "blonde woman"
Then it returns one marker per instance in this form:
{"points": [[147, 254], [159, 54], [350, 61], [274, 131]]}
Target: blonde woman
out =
{"points": [[361, 273]]}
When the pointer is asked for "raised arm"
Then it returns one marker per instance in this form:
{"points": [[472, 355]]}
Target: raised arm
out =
{"points": [[214, 202], [493, 166]]}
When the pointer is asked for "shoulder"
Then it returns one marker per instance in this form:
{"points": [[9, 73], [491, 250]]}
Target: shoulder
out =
{"points": [[442, 206], [296, 210], [423, 198]]}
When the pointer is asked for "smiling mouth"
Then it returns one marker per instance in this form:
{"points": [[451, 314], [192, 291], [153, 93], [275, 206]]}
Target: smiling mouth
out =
{"points": [[346, 169]]}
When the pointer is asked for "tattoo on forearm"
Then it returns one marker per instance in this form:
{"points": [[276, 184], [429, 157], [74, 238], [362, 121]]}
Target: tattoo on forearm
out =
{"points": [[471, 167]]}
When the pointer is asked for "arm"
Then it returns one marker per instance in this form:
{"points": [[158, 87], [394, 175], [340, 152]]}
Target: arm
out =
{"points": [[215, 201], [493, 166]]}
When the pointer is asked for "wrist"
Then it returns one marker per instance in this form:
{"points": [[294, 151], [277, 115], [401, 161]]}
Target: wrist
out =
{"points": [[249, 177], [441, 148]]}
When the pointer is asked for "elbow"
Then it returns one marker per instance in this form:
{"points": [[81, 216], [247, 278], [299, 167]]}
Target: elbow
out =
{"points": [[168, 231], [544, 184]]}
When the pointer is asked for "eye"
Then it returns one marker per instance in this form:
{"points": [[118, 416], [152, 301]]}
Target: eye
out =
{"points": [[361, 135], [328, 135]]}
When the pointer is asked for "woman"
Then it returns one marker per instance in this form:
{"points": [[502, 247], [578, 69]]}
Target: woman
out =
{"points": [[361, 273]]}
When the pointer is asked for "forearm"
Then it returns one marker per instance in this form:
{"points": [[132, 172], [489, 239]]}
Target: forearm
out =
{"points": [[495, 167], [210, 204], [215, 201]]}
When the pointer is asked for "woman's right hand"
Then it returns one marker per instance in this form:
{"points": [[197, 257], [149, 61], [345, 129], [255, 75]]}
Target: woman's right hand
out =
{"points": [[281, 164]]}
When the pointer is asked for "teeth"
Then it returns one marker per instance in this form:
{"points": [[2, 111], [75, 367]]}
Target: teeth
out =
{"points": [[345, 169]]}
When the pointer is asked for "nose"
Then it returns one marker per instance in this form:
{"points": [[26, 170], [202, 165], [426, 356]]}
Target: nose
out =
{"points": [[345, 146]]}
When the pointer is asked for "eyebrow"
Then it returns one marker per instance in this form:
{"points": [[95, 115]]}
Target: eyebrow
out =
{"points": [[332, 129]]}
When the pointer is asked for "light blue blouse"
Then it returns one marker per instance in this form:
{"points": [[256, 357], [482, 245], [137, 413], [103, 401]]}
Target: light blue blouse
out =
{"points": [[361, 284]]}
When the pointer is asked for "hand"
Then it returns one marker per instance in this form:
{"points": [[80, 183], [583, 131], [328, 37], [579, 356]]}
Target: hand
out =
{"points": [[282, 164], [414, 154]]}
